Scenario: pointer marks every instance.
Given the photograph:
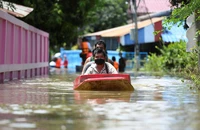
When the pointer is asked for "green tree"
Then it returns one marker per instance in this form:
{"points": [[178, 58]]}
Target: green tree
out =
{"points": [[65, 20], [184, 9], [174, 58], [60, 18], [111, 13]]}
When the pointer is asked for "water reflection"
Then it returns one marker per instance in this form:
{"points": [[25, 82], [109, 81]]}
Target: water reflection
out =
{"points": [[101, 97], [23, 95]]}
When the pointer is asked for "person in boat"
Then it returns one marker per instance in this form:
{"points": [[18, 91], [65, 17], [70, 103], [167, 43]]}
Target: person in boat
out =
{"points": [[89, 54], [85, 47], [99, 45], [99, 65]]}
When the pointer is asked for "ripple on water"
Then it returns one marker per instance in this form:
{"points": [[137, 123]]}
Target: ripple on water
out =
{"points": [[4, 122], [135, 111], [41, 111], [20, 119], [20, 113], [150, 81], [23, 125]]}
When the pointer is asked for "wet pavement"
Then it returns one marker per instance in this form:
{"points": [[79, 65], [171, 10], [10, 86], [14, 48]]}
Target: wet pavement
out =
{"points": [[50, 103]]}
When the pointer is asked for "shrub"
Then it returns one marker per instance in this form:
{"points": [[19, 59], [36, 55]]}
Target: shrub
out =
{"points": [[173, 59]]}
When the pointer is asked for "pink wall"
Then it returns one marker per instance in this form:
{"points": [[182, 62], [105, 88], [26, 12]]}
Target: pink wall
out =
{"points": [[24, 49]]}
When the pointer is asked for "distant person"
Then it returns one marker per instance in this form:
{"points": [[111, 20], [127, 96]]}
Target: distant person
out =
{"points": [[85, 47], [74, 45], [58, 62], [65, 61], [122, 63], [115, 64], [53, 62], [100, 66]]}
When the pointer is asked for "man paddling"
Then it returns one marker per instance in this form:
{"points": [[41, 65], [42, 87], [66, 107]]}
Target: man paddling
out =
{"points": [[100, 66]]}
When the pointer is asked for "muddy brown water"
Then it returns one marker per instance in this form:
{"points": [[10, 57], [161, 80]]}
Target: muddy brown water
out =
{"points": [[50, 103]]}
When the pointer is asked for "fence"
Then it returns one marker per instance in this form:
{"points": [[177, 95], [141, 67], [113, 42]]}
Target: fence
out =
{"points": [[129, 56], [24, 49], [75, 60]]}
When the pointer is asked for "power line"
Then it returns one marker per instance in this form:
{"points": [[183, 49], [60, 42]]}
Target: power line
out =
{"points": [[148, 12]]}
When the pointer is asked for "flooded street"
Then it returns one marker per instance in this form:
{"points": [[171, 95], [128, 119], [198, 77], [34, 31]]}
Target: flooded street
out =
{"points": [[50, 103]]}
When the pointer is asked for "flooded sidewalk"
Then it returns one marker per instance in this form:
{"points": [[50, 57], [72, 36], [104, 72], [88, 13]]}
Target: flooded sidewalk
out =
{"points": [[50, 103]]}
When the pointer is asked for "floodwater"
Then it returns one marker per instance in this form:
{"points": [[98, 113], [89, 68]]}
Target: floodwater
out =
{"points": [[50, 103]]}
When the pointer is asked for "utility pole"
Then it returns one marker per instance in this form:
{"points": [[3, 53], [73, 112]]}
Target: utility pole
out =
{"points": [[136, 48]]}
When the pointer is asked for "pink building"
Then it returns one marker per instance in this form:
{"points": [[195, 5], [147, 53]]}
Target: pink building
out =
{"points": [[24, 49], [153, 6], [150, 6]]}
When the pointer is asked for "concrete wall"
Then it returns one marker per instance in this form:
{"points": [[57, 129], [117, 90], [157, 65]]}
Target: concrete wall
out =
{"points": [[24, 49]]}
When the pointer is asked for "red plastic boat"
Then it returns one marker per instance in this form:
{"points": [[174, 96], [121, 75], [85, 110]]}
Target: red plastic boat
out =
{"points": [[103, 82]]}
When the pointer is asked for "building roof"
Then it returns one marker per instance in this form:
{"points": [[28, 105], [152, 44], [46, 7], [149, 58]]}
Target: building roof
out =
{"points": [[123, 30], [176, 33], [20, 11], [152, 6]]}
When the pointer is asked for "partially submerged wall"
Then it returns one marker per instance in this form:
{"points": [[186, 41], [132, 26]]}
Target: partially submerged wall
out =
{"points": [[24, 49]]}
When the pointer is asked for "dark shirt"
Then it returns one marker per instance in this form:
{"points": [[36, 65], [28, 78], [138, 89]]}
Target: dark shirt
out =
{"points": [[122, 64]]}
